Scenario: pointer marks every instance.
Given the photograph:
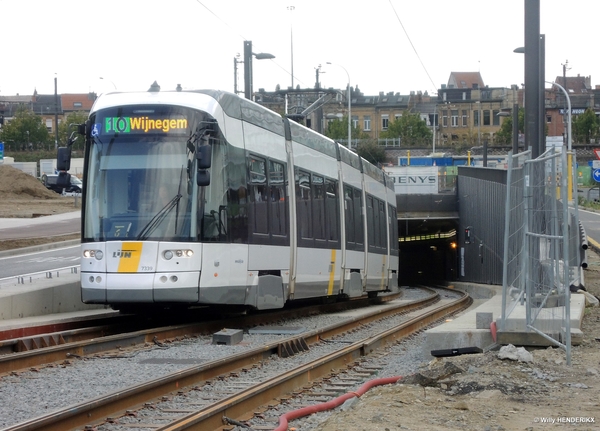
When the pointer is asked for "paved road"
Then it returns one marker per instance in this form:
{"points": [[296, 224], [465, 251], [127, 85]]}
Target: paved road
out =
{"points": [[591, 223], [15, 263], [39, 261], [58, 224]]}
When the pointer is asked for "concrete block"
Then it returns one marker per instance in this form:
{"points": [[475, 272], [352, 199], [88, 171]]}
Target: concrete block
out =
{"points": [[483, 320], [228, 337]]}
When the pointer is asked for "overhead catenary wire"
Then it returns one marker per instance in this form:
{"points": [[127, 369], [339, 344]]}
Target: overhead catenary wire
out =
{"points": [[242, 36], [411, 44]]}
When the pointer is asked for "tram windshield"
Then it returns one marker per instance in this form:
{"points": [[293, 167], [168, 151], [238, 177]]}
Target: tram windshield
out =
{"points": [[141, 175]]}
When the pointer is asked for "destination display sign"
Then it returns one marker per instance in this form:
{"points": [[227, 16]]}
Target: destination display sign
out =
{"points": [[139, 125]]}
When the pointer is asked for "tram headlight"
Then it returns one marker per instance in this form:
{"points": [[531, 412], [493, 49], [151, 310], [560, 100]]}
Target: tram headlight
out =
{"points": [[183, 253], [98, 254]]}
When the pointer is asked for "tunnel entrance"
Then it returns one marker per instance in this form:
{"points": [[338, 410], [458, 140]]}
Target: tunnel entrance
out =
{"points": [[428, 250]]}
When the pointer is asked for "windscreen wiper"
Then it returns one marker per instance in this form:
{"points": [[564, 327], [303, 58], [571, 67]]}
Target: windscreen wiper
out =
{"points": [[158, 218]]}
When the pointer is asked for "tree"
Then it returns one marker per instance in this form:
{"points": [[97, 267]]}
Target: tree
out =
{"points": [[26, 130], [585, 127], [410, 128], [504, 135], [371, 152], [338, 130], [66, 127]]}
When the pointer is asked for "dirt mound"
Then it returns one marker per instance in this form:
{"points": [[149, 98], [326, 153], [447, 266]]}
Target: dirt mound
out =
{"points": [[15, 183]]}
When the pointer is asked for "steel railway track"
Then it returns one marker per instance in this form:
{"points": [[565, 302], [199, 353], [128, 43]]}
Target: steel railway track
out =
{"points": [[81, 337], [137, 400]]}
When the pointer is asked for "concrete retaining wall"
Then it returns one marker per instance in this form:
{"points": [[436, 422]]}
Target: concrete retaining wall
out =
{"points": [[43, 297]]}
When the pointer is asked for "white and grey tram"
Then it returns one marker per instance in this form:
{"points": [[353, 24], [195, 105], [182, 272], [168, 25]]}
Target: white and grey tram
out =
{"points": [[203, 197]]}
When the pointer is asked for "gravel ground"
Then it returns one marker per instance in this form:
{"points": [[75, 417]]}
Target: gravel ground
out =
{"points": [[33, 393]]}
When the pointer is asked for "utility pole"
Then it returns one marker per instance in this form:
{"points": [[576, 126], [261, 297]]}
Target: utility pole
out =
{"points": [[319, 112], [532, 77], [235, 73], [248, 69], [291, 9], [56, 110]]}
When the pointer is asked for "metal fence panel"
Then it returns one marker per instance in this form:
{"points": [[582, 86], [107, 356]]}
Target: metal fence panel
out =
{"points": [[541, 254]]}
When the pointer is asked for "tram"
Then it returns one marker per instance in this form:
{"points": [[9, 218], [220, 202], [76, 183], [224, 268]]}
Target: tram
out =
{"points": [[206, 198]]}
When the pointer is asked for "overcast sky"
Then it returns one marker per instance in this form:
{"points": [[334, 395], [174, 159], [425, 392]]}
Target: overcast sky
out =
{"points": [[384, 45]]}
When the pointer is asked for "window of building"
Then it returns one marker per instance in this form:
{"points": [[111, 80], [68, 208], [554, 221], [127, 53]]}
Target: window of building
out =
{"points": [[445, 118], [464, 118], [486, 117], [548, 119], [355, 121], [385, 122], [367, 123], [454, 117], [496, 117], [77, 104], [476, 118], [49, 124]]}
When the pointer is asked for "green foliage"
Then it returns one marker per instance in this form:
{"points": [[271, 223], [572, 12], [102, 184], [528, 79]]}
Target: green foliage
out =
{"points": [[371, 152], [32, 156], [504, 135], [67, 126], [338, 130], [582, 202], [24, 129], [411, 130], [585, 127]]}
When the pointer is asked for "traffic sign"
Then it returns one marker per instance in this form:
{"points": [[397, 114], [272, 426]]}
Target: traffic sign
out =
{"points": [[596, 175], [597, 153]]}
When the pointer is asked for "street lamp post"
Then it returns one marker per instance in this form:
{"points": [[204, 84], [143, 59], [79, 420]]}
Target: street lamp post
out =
{"points": [[236, 60], [248, 54], [291, 9], [349, 106], [55, 111], [113, 84], [569, 146]]}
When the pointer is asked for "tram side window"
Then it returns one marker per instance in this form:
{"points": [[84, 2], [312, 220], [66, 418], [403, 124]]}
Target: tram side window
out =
{"points": [[303, 205], [370, 222], [382, 237], [332, 217], [376, 229], [258, 196], [353, 217], [349, 215], [278, 205], [393, 227], [317, 211], [358, 218], [318, 207]]}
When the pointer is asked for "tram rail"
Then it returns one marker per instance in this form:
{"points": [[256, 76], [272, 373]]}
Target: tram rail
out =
{"points": [[121, 403]]}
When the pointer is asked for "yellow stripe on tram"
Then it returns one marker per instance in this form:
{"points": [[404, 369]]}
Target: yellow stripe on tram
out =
{"points": [[131, 253], [331, 273]]}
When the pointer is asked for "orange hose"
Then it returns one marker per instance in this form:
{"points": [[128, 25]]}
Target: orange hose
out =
{"points": [[305, 411]]}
